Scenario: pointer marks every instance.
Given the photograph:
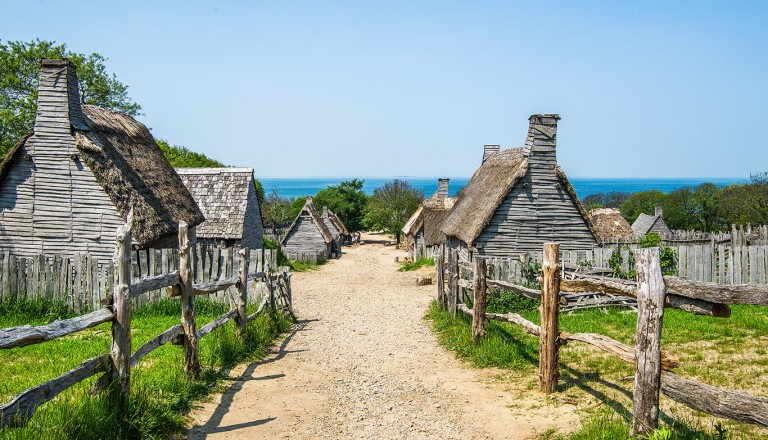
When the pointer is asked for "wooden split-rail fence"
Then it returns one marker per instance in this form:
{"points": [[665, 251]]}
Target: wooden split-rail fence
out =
{"points": [[653, 293], [117, 308]]}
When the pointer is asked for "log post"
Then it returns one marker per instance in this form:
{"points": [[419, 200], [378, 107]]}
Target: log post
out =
{"points": [[651, 295], [549, 341], [120, 353], [242, 291], [188, 319], [440, 276], [453, 269], [478, 317]]}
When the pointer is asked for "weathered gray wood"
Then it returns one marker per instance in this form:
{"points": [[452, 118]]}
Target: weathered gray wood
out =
{"points": [[120, 354], [622, 351], [214, 286], [216, 323], [156, 342], [149, 284], [453, 269], [525, 291], [258, 311], [715, 401], [478, 317], [188, 319], [242, 290], [23, 406], [650, 315], [27, 335], [440, 269], [514, 318], [549, 342], [713, 292]]}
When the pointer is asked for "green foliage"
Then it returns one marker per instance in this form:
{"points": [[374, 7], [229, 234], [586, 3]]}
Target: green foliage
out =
{"points": [[641, 202], [391, 206], [503, 301], [19, 74], [182, 157], [276, 211], [347, 200], [612, 199], [650, 240], [414, 265], [531, 271], [296, 205], [303, 266]]}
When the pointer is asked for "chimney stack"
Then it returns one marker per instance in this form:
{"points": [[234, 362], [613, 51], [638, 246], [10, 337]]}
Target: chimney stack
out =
{"points": [[659, 212], [325, 211], [542, 138], [488, 150], [58, 101], [442, 188]]}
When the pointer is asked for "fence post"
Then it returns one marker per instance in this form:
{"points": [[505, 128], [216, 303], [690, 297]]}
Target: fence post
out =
{"points": [[440, 276], [242, 290], [188, 319], [651, 295], [549, 341], [478, 306], [453, 283], [120, 353]]}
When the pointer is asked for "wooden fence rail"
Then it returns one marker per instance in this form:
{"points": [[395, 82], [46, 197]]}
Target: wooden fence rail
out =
{"points": [[117, 364], [652, 364]]}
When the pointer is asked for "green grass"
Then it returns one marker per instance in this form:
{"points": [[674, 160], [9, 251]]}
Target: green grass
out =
{"points": [[160, 392], [414, 265], [303, 266]]}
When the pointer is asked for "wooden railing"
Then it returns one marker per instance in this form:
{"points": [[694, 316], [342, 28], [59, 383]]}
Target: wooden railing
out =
{"points": [[117, 364], [652, 365]]}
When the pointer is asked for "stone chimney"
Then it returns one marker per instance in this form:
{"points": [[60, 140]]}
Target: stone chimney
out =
{"points": [[488, 150], [325, 212], [58, 101], [442, 188], [540, 145], [659, 212]]}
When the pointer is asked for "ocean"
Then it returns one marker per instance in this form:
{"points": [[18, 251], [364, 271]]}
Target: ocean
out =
{"points": [[292, 187]]}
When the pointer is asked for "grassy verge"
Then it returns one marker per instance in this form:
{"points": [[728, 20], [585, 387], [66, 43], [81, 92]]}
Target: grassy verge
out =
{"points": [[414, 265], [728, 353], [303, 266], [160, 392]]}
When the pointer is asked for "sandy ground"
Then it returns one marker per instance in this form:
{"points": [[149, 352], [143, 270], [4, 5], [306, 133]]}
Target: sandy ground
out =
{"points": [[362, 363]]}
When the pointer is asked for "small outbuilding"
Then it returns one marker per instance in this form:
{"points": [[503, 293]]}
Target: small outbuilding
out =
{"points": [[335, 225], [518, 200], [308, 238], [227, 198], [69, 185], [422, 233], [645, 224], [608, 224]]}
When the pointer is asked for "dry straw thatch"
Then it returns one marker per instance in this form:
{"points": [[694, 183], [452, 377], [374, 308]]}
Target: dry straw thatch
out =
{"points": [[609, 224]]}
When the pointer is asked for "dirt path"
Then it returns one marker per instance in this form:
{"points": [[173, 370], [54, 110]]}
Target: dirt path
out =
{"points": [[362, 363]]}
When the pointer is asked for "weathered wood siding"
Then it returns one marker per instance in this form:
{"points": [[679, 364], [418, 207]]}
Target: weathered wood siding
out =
{"points": [[305, 238], [253, 228], [463, 249], [660, 227]]}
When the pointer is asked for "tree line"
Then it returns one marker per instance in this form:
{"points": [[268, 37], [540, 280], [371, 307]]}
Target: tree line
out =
{"points": [[705, 207]]}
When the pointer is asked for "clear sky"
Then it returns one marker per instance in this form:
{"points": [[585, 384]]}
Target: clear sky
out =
{"points": [[415, 88]]}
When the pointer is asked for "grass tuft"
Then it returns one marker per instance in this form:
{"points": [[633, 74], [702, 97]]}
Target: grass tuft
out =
{"points": [[414, 265]]}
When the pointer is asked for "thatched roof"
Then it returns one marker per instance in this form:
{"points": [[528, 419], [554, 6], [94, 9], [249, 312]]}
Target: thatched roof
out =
{"points": [[484, 193], [222, 195], [135, 174], [608, 223], [414, 223], [317, 220], [429, 216], [338, 223]]}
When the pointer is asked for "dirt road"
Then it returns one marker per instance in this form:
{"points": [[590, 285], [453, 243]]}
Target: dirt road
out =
{"points": [[362, 363]]}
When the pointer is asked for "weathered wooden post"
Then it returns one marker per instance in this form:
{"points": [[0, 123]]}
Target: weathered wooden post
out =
{"points": [[549, 341], [453, 269], [188, 319], [478, 317], [120, 353], [440, 277], [242, 291], [651, 295]]}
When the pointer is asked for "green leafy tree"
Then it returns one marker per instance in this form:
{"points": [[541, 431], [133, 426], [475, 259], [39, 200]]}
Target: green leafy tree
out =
{"points": [[706, 200], [641, 202], [295, 207], [742, 204], [347, 200], [678, 206], [391, 205], [276, 211], [19, 73]]}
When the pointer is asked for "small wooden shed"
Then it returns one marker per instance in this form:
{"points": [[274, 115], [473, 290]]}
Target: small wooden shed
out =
{"points": [[422, 233], [335, 225], [608, 224], [227, 198], [645, 224], [518, 200], [308, 238], [66, 187]]}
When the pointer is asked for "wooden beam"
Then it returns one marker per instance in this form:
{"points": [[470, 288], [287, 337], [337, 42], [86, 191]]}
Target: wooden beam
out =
{"points": [[156, 282], [258, 311], [215, 286], [120, 354], [719, 293], [188, 318], [478, 317], [155, 343], [24, 335], [440, 269], [525, 291], [650, 313], [453, 286], [549, 341], [242, 292], [216, 323]]}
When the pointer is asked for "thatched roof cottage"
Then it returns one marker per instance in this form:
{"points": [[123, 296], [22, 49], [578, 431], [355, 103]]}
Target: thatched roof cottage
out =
{"points": [[518, 200], [608, 224], [422, 232], [645, 224], [308, 238], [67, 186], [227, 198]]}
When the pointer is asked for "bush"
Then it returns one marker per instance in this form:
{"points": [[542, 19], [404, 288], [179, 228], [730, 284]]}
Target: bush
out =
{"points": [[413, 265], [509, 302]]}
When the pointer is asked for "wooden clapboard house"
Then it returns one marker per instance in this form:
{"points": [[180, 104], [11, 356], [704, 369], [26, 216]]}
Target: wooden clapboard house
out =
{"points": [[422, 234], [646, 224], [227, 198], [66, 187], [518, 200], [308, 237], [335, 226]]}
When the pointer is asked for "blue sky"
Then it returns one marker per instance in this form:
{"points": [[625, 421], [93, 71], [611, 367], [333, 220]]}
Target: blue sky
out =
{"points": [[376, 89]]}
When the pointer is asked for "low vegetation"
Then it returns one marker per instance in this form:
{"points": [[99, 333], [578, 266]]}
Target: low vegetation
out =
{"points": [[418, 264], [728, 353], [161, 394]]}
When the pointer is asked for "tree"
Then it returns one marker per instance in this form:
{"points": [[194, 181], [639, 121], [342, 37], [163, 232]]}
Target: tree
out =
{"points": [[641, 202], [276, 211], [391, 205], [678, 208], [742, 204], [347, 200], [19, 73]]}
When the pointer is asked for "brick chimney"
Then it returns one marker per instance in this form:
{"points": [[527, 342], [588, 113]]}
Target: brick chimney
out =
{"points": [[442, 188], [58, 101], [659, 212], [488, 150], [540, 145]]}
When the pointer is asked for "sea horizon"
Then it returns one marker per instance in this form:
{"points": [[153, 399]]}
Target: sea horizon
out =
{"points": [[292, 187]]}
